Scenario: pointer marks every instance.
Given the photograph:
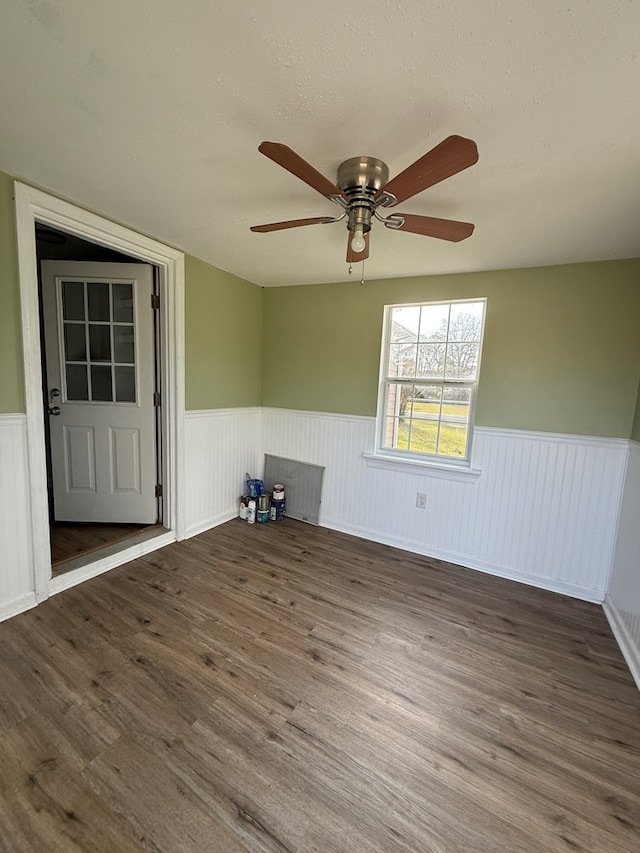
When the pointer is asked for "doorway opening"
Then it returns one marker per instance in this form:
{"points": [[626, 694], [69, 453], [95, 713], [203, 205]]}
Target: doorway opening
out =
{"points": [[37, 211], [88, 328]]}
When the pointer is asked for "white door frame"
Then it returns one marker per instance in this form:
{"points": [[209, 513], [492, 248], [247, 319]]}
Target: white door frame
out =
{"points": [[34, 206]]}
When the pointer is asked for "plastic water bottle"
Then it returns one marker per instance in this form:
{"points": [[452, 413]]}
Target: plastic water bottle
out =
{"points": [[251, 512]]}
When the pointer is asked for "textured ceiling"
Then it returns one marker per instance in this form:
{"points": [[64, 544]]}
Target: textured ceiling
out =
{"points": [[151, 112]]}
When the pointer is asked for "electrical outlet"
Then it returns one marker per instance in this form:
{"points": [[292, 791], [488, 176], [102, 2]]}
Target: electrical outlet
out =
{"points": [[421, 500]]}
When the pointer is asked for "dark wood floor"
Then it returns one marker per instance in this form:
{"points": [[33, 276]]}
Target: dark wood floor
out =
{"points": [[70, 539], [283, 688]]}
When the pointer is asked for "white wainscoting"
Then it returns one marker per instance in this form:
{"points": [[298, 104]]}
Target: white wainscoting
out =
{"points": [[543, 511], [622, 604], [17, 583], [221, 445]]}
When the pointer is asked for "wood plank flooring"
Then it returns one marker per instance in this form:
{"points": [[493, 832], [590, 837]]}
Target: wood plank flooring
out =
{"points": [[286, 688], [70, 539]]}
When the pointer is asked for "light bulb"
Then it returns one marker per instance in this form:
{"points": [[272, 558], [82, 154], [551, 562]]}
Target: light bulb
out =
{"points": [[358, 243]]}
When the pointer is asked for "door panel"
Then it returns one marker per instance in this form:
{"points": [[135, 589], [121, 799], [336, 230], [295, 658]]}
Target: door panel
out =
{"points": [[126, 474], [100, 372], [79, 459]]}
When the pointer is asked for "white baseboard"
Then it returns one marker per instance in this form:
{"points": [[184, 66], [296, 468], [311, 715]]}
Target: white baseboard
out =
{"points": [[210, 523], [17, 605], [629, 649], [563, 588]]}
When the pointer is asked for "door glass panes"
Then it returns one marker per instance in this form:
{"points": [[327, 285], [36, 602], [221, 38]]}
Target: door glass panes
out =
{"points": [[122, 303], [73, 300], [77, 384], [101, 383], [75, 342], [99, 341], [123, 344], [98, 292]]}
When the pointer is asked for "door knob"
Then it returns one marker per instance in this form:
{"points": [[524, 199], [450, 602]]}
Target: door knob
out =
{"points": [[55, 410]]}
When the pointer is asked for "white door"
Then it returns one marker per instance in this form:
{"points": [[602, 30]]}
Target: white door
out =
{"points": [[98, 322]]}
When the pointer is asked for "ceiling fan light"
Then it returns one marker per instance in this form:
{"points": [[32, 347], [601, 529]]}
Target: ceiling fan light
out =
{"points": [[358, 243]]}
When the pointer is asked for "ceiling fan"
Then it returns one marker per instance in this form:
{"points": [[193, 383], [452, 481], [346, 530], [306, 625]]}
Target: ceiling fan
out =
{"points": [[363, 187]]}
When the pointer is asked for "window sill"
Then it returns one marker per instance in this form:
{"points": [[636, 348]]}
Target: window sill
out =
{"points": [[427, 469]]}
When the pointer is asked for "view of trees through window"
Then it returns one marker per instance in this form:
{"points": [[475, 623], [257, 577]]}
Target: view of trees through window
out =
{"points": [[432, 362]]}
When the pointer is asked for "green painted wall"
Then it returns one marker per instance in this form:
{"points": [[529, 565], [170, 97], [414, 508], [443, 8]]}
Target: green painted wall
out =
{"points": [[223, 315], [635, 431], [561, 351], [223, 335], [11, 373]]}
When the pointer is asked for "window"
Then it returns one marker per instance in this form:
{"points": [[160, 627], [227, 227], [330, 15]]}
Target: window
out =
{"points": [[429, 378]]}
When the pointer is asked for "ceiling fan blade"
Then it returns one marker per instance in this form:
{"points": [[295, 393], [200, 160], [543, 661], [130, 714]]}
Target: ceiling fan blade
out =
{"points": [[291, 223], [451, 156], [429, 226], [355, 257], [292, 162]]}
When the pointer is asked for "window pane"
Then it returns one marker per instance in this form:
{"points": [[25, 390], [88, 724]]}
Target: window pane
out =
{"points": [[390, 438], [398, 398], [99, 342], [101, 383], [75, 345], [462, 361], [123, 344], [405, 322], [433, 322], [423, 436], [402, 434], [125, 384], [402, 360], [431, 360], [453, 439], [466, 321], [456, 404], [98, 293], [426, 402], [77, 385], [122, 303], [73, 300], [435, 349]]}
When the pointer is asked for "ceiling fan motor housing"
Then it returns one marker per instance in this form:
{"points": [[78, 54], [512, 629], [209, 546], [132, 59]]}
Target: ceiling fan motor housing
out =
{"points": [[360, 178]]}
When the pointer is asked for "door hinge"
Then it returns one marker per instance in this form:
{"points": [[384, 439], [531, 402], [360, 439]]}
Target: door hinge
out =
{"points": [[156, 398], [158, 490], [155, 300]]}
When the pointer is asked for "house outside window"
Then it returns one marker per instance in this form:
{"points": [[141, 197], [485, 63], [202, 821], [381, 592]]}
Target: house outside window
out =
{"points": [[429, 379]]}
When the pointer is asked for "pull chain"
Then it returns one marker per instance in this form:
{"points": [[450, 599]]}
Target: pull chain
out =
{"points": [[362, 279]]}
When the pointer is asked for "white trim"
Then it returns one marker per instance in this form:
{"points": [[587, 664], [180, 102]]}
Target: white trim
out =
{"points": [[571, 590], [333, 416], [210, 523], [559, 437], [34, 206], [17, 605], [425, 467], [629, 649], [99, 567], [13, 419], [192, 414]]}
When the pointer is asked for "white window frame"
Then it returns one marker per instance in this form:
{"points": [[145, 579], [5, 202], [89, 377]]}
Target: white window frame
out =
{"points": [[414, 458]]}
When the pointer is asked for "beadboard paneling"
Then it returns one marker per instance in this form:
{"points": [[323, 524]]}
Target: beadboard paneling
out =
{"points": [[622, 605], [544, 510], [17, 586], [221, 445]]}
